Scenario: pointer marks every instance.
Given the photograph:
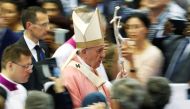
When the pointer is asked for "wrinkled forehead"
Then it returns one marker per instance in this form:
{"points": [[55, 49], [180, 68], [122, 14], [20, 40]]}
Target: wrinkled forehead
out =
{"points": [[96, 47]]}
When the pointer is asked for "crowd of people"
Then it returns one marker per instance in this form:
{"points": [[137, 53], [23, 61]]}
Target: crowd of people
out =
{"points": [[64, 54]]}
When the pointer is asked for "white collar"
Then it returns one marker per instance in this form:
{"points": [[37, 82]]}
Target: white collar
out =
{"points": [[8, 78], [29, 42]]}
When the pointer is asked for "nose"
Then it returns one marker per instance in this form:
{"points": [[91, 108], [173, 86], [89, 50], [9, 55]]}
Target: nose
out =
{"points": [[30, 69], [131, 32], [46, 29]]}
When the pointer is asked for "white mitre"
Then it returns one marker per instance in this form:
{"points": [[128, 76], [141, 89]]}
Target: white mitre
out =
{"points": [[88, 34]]}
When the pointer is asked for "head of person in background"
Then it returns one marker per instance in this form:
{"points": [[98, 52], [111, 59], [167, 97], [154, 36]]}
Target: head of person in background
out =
{"points": [[11, 12], [187, 29], [135, 4], [127, 93], [92, 98], [39, 100], [35, 21], [17, 67], [136, 27], [2, 22], [53, 7], [174, 26], [7, 36], [3, 97], [60, 30], [63, 23], [159, 90]]}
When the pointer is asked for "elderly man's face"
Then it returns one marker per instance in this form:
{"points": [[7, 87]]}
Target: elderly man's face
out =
{"points": [[94, 56]]}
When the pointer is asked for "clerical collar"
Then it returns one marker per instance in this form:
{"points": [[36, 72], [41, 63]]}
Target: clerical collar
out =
{"points": [[8, 83]]}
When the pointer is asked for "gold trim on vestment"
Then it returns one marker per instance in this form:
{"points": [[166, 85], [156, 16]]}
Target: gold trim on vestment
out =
{"points": [[89, 44]]}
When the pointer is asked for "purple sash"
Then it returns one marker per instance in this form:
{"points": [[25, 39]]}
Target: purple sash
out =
{"points": [[9, 85]]}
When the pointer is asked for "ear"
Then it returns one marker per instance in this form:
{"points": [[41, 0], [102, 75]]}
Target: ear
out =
{"points": [[28, 25], [9, 65], [83, 51]]}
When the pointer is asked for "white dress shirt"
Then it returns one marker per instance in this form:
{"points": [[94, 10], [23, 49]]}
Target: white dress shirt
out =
{"points": [[31, 46]]}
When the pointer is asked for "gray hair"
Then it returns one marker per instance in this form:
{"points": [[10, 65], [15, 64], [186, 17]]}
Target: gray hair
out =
{"points": [[128, 93], [159, 90], [39, 100]]}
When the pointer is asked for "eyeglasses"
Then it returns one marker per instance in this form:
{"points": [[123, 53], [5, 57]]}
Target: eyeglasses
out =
{"points": [[24, 66], [44, 25]]}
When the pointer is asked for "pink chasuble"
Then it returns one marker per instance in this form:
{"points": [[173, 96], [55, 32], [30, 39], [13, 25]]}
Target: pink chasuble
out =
{"points": [[79, 85]]}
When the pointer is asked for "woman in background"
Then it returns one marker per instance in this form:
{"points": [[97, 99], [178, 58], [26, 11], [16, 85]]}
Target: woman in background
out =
{"points": [[11, 11], [142, 59]]}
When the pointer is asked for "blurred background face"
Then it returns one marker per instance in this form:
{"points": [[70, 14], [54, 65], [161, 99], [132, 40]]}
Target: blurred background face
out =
{"points": [[168, 27], [9, 13], [2, 22], [20, 73], [52, 9], [156, 3], [40, 28], [135, 29]]}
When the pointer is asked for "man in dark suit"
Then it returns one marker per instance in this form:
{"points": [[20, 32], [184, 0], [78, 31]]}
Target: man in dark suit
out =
{"points": [[177, 54], [35, 22], [177, 61]]}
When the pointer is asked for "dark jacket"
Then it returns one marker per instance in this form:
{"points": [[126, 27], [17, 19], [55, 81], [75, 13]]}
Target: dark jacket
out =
{"points": [[37, 79], [181, 73], [61, 100], [7, 37]]}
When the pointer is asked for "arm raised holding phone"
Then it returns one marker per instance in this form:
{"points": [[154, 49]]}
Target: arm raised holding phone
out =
{"points": [[141, 59]]}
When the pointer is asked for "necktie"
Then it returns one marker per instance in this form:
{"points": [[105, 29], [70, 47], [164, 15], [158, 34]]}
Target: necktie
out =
{"points": [[176, 58], [40, 53]]}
